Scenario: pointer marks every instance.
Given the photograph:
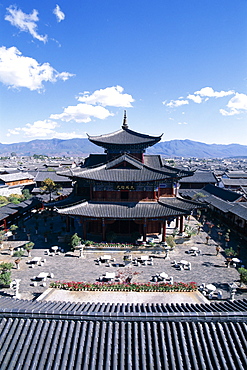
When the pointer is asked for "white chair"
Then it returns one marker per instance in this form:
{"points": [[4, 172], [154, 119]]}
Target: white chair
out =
{"points": [[219, 294]]}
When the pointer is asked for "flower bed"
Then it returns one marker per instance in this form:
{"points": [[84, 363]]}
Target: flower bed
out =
{"points": [[110, 245], [130, 287]]}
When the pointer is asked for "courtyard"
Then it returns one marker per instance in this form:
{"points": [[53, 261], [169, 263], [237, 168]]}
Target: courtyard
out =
{"points": [[45, 230]]}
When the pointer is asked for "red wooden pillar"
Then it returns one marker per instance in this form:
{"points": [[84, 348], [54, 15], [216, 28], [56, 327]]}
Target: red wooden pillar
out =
{"points": [[91, 191], [164, 231], [145, 230], [103, 229], [67, 223], [181, 228]]}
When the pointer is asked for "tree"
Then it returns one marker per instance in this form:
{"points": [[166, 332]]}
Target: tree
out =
{"points": [[26, 194], [75, 241], [5, 273], [243, 275], [198, 196], [29, 246], [50, 187], [3, 200], [15, 198]]}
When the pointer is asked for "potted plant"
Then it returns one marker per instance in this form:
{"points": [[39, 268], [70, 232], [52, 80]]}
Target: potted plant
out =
{"points": [[227, 239], [13, 229], [5, 274], [230, 252], [29, 246], [2, 238], [17, 263], [189, 230]]}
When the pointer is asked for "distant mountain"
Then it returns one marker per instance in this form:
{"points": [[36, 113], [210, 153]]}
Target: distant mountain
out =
{"points": [[53, 147], [189, 148], [83, 147]]}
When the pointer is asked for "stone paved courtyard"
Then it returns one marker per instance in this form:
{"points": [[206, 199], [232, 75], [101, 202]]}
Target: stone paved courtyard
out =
{"points": [[206, 267]]}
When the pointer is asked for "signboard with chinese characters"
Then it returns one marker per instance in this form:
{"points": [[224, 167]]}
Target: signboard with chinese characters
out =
{"points": [[124, 187]]}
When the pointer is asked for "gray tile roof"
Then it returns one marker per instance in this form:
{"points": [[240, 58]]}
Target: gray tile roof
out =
{"points": [[94, 160], [207, 198], [59, 335], [240, 210], [224, 194], [234, 182], [42, 175], [200, 177], [165, 208], [123, 137], [139, 173], [11, 209], [16, 176], [236, 174]]}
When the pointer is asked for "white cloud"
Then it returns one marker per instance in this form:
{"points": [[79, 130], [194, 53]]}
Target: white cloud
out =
{"points": [[58, 13], [196, 98], [37, 129], [68, 135], [176, 103], [43, 129], [236, 105], [209, 92], [19, 71], [24, 22], [110, 96], [183, 123], [82, 113]]}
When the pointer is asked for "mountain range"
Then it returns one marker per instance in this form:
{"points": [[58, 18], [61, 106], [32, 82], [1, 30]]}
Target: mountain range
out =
{"points": [[83, 147]]}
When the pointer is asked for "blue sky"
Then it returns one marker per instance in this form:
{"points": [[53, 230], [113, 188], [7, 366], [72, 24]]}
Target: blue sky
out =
{"points": [[178, 67]]}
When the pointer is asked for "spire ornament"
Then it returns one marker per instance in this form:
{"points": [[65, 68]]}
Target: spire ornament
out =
{"points": [[125, 125]]}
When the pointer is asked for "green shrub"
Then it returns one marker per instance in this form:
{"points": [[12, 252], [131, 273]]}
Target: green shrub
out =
{"points": [[230, 252], [243, 275], [5, 273], [18, 254], [75, 240], [170, 241]]}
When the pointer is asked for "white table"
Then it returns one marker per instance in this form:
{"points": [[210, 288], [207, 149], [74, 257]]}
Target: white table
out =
{"points": [[110, 275], [43, 276], [236, 260], [194, 249], [143, 258], [183, 262], [106, 257], [36, 260], [163, 275], [210, 287], [55, 248]]}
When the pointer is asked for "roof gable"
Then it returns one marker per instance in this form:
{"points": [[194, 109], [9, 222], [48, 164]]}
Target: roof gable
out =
{"points": [[124, 162]]}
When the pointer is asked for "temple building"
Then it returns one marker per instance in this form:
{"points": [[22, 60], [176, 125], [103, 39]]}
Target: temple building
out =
{"points": [[125, 191]]}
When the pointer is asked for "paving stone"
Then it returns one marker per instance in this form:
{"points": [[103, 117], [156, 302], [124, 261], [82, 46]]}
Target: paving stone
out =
{"points": [[205, 268]]}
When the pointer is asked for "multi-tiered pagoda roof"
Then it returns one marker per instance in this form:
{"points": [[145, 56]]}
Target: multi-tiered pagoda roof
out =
{"points": [[123, 185]]}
